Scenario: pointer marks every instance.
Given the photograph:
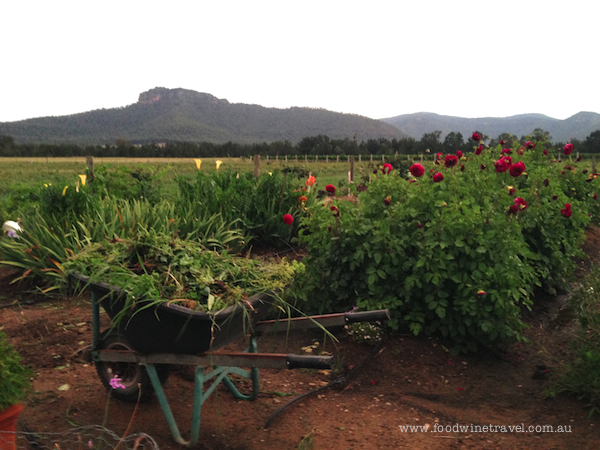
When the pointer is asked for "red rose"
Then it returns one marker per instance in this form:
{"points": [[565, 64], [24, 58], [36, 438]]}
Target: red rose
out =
{"points": [[511, 191], [520, 151], [595, 196], [462, 167], [545, 152], [521, 204], [567, 150], [579, 158], [546, 182], [482, 167], [517, 169], [566, 211], [330, 188], [387, 201], [508, 151], [417, 170], [336, 212], [502, 142], [419, 225], [529, 145], [476, 137], [459, 154], [438, 177], [478, 150], [288, 219], [513, 209], [439, 155], [555, 197], [387, 168], [450, 160], [502, 165]]}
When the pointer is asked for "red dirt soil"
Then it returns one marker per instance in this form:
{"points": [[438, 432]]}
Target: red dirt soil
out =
{"points": [[411, 381]]}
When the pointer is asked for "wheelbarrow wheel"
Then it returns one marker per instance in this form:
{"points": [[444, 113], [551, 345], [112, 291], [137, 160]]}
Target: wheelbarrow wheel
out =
{"points": [[133, 376]]}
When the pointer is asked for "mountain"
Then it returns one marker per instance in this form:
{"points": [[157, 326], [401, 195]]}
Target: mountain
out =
{"points": [[578, 126], [166, 115]]}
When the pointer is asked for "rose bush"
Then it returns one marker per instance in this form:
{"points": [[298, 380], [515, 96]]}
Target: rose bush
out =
{"points": [[458, 258]]}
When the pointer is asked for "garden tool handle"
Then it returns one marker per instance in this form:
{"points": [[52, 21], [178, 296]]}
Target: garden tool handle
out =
{"points": [[309, 362], [367, 316]]}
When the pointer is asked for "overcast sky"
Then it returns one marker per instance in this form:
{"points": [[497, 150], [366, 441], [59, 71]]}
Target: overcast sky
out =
{"points": [[373, 58]]}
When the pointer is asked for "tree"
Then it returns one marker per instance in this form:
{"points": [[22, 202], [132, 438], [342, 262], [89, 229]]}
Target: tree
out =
{"points": [[453, 142], [431, 142], [592, 142]]}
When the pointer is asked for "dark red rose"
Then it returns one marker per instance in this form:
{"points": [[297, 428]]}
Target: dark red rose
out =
{"points": [[462, 167], [387, 168], [417, 170], [482, 167], [520, 151], [502, 165], [450, 160], [517, 169], [513, 209], [529, 145], [502, 142], [511, 191], [584, 171], [579, 158], [288, 219], [566, 211], [507, 151], [439, 155], [545, 152], [335, 211], [459, 154], [546, 182], [438, 177], [330, 188], [595, 196], [478, 150], [567, 150], [476, 137], [375, 171], [419, 225], [387, 201], [555, 197], [520, 203]]}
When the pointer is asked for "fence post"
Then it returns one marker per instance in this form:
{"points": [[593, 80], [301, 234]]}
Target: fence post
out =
{"points": [[352, 170], [305, 158], [296, 157], [594, 164], [326, 158], [286, 159], [359, 156], [276, 158], [267, 158], [337, 159], [371, 157], [256, 165], [316, 158], [382, 158]]}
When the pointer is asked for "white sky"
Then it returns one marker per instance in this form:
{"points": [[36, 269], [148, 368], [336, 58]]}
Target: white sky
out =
{"points": [[374, 58]]}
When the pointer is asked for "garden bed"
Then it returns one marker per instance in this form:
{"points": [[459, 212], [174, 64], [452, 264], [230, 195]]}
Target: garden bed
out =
{"points": [[411, 381]]}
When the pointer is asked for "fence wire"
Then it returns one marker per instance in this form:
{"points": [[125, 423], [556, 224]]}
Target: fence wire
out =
{"points": [[91, 437]]}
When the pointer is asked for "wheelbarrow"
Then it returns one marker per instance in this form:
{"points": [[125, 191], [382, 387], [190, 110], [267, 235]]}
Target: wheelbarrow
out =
{"points": [[142, 347]]}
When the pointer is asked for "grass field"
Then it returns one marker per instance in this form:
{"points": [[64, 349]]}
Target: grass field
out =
{"points": [[32, 171]]}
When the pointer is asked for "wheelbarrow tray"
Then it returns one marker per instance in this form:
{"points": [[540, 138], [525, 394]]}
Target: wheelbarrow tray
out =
{"points": [[171, 328]]}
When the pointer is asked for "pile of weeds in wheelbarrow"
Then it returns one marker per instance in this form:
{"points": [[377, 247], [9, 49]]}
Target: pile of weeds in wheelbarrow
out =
{"points": [[161, 268]]}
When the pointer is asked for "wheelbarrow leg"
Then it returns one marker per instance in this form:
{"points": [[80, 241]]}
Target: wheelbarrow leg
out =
{"points": [[164, 404], [252, 374]]}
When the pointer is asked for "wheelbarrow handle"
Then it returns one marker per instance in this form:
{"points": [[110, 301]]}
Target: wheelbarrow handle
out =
{"points": [[367, 316], [309, 362]]}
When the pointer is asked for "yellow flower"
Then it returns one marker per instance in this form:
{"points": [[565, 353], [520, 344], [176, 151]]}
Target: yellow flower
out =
{"points": [[65, 190], [45, 184], [270, 173], [83, 178], [198, 163], [218, 163]]}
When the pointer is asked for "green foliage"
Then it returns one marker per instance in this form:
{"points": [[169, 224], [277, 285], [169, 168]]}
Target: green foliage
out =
{"points": [[257, 203], [138, 183], [159, 268], [581, 374], [448, 258], [14, 377]]}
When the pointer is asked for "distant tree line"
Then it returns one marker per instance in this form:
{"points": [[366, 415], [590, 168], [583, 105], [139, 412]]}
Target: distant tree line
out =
{"points": [[314, 145]]}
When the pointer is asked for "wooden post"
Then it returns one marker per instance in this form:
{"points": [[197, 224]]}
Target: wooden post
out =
{"points": [[316, 158], [352, 170], [286, 159], [593, 163], [276, 158], [348, 158], [382, 158], [371, 157], [89, 161], [256, 165], [359, 157], [296, 157], [421, 157], [337, 159], [267, 158], [305, 158], [326, 158]]}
